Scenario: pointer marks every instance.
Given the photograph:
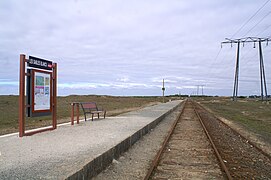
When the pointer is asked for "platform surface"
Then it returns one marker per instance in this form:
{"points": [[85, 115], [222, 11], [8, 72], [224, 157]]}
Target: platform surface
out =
{"points": [[60, 153]]}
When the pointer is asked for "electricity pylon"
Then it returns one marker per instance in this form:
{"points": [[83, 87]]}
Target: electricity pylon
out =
{"points": [[262, 72]]}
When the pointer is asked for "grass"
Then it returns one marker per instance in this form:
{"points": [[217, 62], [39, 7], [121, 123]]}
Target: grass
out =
{"points": [[253, 115], [113, 105]]}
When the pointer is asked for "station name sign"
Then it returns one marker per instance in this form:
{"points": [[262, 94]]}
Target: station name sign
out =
{"points": [[40, 63]]}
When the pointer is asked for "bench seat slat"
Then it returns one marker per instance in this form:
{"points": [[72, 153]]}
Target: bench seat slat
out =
{"points": [[91, 108], [95, 112]]}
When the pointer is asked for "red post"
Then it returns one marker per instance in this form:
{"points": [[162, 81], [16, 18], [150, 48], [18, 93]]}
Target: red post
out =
{"points": [[22, 104], [54, 95], [22, 96], [77, 112], [72, 114]]}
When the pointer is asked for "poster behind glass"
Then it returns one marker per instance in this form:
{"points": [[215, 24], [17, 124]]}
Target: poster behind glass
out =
{"points": [[42, 91]]}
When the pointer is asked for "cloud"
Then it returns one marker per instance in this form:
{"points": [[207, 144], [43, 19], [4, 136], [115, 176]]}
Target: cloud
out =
{"points": [[123, 79], [9, 83], [120, 85], [103, 45]]}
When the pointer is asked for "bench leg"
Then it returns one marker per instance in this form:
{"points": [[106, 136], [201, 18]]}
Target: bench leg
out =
{"points": [[98, 116], [104, 114], [85, 117], [92, 117]]}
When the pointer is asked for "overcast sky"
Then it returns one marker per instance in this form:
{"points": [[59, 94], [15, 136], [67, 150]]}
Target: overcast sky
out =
{"points": [[126, 47]]}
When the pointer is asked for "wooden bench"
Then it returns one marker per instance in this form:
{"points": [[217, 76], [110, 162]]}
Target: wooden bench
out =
{"points": [[91, 108]]}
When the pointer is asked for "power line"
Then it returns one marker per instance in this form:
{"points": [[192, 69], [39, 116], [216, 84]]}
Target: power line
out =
{"points": [[244, 55], [258, 22], [250, 18], [215, 74], [262, 71], [215, 58], [217, 54], [250, 56], [216, 70], [264, 30]]}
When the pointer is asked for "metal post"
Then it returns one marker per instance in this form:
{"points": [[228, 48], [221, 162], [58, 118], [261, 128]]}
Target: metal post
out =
{"points": [[235, 88], [22, 96], [265, 86], [54, 95], [262, 72]]}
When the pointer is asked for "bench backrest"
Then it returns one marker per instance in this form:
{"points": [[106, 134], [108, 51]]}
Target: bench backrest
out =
{"points": [[89, 106]]}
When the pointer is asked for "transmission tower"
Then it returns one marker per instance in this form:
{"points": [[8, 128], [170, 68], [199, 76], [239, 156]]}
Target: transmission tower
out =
{"points": [[198, 89], [262, 72], [202, 89]]}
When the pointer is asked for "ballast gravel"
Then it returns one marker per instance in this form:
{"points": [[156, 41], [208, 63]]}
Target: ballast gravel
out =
{"points": [[135, 163]]}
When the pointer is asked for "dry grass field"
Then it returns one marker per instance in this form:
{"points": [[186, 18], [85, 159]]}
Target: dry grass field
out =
{"points": [[113, 105], [251, 114]]}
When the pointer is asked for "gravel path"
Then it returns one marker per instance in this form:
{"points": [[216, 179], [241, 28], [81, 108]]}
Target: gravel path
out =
{"points": [[134, 163]]}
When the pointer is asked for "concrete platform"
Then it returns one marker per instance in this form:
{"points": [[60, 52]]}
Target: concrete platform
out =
{"points": [[79, 151]]}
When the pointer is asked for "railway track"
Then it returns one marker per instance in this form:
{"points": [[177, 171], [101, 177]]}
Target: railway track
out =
{"points": [[187, 152], [243, 158], [199, 146]]}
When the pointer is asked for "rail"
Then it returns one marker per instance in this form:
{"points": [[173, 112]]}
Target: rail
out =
{"points": [[158, 155], [236, 132], [222, 164], [165, 142]]}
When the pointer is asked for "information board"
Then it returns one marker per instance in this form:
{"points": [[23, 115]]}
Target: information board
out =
{"points": [[42, 89], [39, 93]]}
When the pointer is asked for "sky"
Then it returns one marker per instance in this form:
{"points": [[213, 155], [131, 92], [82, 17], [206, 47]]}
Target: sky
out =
{"points": [[127, 47]]}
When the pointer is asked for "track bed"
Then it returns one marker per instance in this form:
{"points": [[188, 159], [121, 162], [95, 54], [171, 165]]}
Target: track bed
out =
{"points": [[188, 154], [243, 159]]}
